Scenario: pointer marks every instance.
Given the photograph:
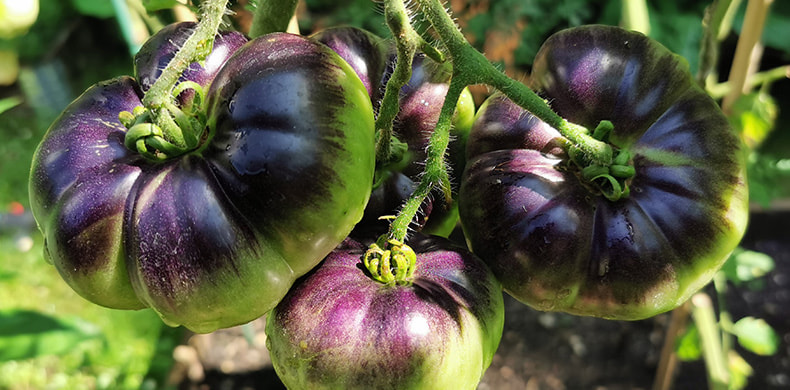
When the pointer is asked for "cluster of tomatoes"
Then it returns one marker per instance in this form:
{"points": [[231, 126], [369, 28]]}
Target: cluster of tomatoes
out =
{"points": [[273, 207]]}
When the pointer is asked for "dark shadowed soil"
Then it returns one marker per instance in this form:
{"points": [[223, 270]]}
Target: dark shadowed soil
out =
{"points": [[549, 350]]}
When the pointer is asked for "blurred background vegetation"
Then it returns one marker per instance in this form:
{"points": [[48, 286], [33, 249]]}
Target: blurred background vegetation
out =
{"points": [[51, 338]]}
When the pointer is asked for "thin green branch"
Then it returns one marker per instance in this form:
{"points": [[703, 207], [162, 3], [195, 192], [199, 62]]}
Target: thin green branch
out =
{"points": [[634, 15], [475, 67], [407, 41], [756, 80], [705, 319], [196, 48], [272, 16], [435, 174]]}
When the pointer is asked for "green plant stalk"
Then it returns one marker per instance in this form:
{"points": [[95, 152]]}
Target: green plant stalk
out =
{"points": [[475, 67], [725, 318], [715, 360], [753, 24], [125, 21], [196, 48], [711, 28], [435, 165], [272, 16], [756, 80], [727, 18], [635, 16], [406, 44]]}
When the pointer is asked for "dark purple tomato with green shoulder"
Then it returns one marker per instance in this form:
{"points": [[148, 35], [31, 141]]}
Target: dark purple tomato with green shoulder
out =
{"points": [[365, 52], [551, 236], [339, 328], [216, 236]]}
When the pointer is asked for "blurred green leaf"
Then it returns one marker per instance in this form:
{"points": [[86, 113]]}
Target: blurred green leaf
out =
{"points": [[26, 334], [754, 116], [9, 103], [740, 371], [769, 178], [6, 276], [677, 25], [95, 8], [688, 345], [756, 335], [744, 265], [158, 5]]}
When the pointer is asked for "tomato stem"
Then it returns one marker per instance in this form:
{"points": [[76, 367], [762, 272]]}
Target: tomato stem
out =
{"points": [[474, 66], [173, 132], [387, 255], [272, 16], [435, 174], [407, 42]]}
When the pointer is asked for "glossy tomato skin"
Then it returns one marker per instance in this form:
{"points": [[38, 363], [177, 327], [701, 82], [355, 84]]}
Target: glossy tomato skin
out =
{"points": [[338, 328], [365, 52], [557, 244], [213, 238], [157, 52]]}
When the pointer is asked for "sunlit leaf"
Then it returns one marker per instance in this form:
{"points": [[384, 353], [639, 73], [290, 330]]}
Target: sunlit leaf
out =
{"points": [[754, 116], [9, 103], [740, 371], [26, 334], [745, 265], [689, 347], [756, 335]]}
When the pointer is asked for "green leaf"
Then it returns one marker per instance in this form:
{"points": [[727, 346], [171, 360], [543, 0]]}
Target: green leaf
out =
{"points": [[754, 117], [744, 265], [740, 371], [689, 347], [6, 276], [96, 8], [756, 335], [158, 5], [26, 334], [9, 103]]}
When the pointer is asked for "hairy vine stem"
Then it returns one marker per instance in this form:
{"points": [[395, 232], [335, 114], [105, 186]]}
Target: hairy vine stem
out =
{"points": [[472, 67], [195, 48]]}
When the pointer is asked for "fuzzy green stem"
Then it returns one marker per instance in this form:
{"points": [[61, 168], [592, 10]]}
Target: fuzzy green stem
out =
{"points": [[435, 173], [705, 319], [195, 49], [596, 151], [406, 40], [475, 67], [272, 16]]}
